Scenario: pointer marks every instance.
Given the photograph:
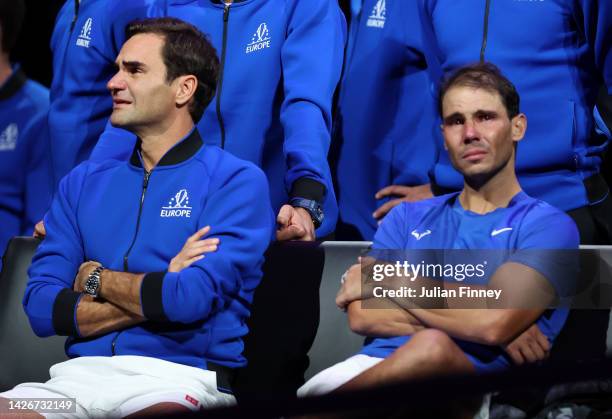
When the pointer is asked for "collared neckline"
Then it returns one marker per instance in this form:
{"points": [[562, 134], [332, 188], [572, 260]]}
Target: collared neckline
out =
{"points": [[13, 83], [180, 152]]}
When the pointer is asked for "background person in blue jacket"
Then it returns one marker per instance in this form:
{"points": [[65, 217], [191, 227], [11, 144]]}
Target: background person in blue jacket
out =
{"points": [[482, 125], [121, 270], [25, 169], [382, 142], [558, 53], [280, 63], [87, 37]]}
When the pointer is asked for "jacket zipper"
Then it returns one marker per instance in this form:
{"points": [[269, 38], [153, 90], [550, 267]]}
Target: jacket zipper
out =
{"points": [[76, 14], [145, 184], [220, 83], [485, 31]]}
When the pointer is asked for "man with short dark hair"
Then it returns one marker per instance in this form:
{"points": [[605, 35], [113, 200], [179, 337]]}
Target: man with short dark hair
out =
{"points": [[160, 332], [481, 126], [25, 172]]}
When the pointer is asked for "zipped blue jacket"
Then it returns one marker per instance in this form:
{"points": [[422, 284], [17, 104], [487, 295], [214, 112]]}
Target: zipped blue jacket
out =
{"points": [[558, 54], [25, 169], [386, 113], [86, 40], [135, 221], [280, 64]]}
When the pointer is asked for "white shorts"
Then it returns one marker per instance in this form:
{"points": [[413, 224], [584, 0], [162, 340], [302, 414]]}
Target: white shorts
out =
{"points": [[335, 376], [121, 385]]}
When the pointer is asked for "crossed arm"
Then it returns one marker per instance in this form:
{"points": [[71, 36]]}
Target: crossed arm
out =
{"points": [[512, 329], [118, 305]]}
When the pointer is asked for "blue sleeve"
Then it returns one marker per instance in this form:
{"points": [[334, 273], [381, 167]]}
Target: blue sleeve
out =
{"points": [[114, 143], [548, 243], [240, 215], [49, 301], [39, 175], [414, 125], [595, 17], [311, 58], [392, 229]]}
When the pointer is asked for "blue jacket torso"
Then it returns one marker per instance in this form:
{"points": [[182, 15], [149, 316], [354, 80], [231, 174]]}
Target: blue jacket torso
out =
{"points": [[558, 54], [108, 212], [25, 170], [516, 233], [281, 61], [383, 132]]}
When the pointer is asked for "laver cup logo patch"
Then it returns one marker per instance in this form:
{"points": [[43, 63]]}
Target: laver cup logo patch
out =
{"points": [[85, 34], [178, 206], [260, 40], [379, 15], [8, 138]]}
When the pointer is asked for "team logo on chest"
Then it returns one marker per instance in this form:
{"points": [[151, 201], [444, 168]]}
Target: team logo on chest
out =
{"points": [[85, 35], [178, 206], [378, 16], [260, 40], [8, 138], [420, 235]]}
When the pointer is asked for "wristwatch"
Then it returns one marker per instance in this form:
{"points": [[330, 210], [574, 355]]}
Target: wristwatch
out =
{"points": [[92, 285], [313, 207]]}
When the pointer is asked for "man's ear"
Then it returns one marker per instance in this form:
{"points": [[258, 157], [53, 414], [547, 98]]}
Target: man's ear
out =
{"points": [[187, 86], [519, 127]]}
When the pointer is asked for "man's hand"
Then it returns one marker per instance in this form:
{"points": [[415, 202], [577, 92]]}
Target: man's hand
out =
{"points": [[350, 290], [294, 223], [39, 230], [193, 250], [403, 194], [530, 346], [85, 270]]}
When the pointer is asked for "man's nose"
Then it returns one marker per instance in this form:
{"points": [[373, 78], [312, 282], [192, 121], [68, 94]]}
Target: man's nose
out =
{"points": [[115, 83], [470, 133]]}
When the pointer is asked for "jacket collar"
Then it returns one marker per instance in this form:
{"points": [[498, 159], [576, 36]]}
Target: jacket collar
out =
{"points": [[183, 150], [12, 84]]}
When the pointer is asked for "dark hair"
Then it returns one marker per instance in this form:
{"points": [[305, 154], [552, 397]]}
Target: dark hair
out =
{"points": [[483, 76], [186, 51], [12, 13]]}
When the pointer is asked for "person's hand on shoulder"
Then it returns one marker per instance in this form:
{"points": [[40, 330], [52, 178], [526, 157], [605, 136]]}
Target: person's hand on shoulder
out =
{"points": [[39, 230], [402, 194]]}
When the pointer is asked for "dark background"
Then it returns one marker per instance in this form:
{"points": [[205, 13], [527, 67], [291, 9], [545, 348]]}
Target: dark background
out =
{"points": [[32, 49]]}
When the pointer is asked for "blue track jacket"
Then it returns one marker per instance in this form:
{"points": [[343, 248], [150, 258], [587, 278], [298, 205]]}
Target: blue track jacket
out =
{"points": [[131, 221], [386, 113], [558, 54], [25, 169], [281, 61], [85, 42]]}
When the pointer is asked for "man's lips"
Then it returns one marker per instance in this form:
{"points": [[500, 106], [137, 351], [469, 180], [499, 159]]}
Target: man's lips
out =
{"points": [[119, 102], [474, 154]]}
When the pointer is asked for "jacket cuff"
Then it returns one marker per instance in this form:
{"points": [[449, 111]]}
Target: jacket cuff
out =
{"points": [[309, 189], [64, 312], [151, 296]]}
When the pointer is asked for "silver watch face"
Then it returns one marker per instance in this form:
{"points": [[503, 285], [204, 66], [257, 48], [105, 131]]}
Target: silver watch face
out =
{"points": [[91, 285]]}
